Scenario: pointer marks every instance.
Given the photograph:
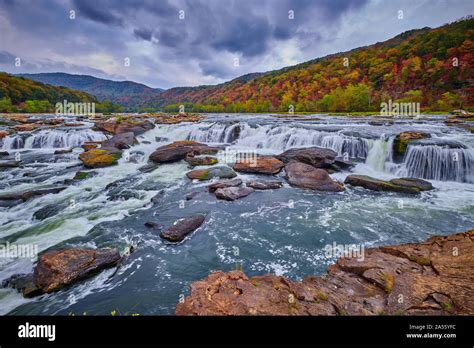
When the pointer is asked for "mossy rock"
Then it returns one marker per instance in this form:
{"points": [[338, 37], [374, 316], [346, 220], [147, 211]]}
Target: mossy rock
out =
{"points": [[222, 172], [402, 140], [99, 158]]}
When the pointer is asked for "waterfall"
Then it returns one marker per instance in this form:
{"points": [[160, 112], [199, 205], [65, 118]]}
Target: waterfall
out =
{"points": [[438, 163], [380, 153], [50, 139]]}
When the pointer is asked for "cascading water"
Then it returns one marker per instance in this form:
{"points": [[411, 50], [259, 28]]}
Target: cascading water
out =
{"points": [[438, 163], [51, 139], [379, 156]]}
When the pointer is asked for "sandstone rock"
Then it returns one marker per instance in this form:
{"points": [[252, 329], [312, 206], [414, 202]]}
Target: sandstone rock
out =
{"points": [[402, 140], [430, 277], [121, 141], [420, 184], [3, 134], [179, 150], [222, 172], [182, 228], [379, 185], [25, 127], [57, 269], [90, 145], [264, 185], [306, 176], [260, 165], [316, 156], [224, 183], [201, 160], [99, 158], [233, 193], [137, 127]]}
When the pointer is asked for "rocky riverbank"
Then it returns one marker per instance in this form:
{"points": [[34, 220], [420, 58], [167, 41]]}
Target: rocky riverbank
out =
{"points": [[435, 277]]}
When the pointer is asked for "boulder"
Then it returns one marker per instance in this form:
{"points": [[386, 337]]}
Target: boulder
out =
{"points": [[182, 228], [233, 193], [121, 141], [401, 141], [134, 126], [260, 165], [179, 150], [99, 158], [223, 184], [264, 185], [431, 278], [315, 156], [148, 168], [303, 175], [379, 185], [201, 160], [420, 184], [222, 172], [60, 268], [9, 164]]}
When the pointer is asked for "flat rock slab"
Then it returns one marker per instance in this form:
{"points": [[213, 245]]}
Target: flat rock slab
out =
{"points": [[379, 185], [57, 269], [428, 276], [317, 157], [260, 165], [303, 175], [222, 172], [420, 184], [233, 193], [182, 228], [201, 160], [223, 184], [121, 141], [179, 150], [264, 185]]}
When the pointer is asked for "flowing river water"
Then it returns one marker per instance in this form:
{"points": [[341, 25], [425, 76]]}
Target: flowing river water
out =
{"points": [[280, 231]]}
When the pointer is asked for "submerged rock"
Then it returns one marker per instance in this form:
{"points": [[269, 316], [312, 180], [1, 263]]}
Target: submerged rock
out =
{"points": [[264, 185], [182, 228], [233, 193], [315, 156], [260, 165], [223, 184], [99, 158], [430, 277], [49, 210], [380, 185], [57, 269], [222, 172], [303, 175]]}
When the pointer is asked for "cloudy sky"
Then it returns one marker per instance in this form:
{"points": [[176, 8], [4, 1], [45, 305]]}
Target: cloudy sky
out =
{"points": [[170, 43]]}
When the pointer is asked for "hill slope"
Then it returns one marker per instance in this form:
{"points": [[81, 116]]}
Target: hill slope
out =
{"points": [[430, 66], [125, 93]]}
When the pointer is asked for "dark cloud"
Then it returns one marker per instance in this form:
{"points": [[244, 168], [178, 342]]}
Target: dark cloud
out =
{"points": [[144, 34], [96, 11]]}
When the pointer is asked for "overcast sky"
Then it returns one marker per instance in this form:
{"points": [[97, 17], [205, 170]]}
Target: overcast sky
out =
{"points": [[217, 40]]}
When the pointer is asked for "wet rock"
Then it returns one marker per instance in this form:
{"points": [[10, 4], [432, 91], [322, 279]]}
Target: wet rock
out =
{"points": [[90, 145], [161, 139], [379, 185], [179, 150], [191, 195], [12, 199], [264, 185], [222, 172], [4, 154], [303, 175], [3, 134], [182, 227], [81, 175], [201, 160], [57, 269], [342, 164], [420, 184], [49, 211], [130, 125], [22, 283], [9, 164], [233, 193], [25, 127], [223, 184], [62, 152], [99, 158], [431, 279], [402, 140], [154, 225], [260, 165], [315, 156], [148, 168], [156, 199], [121, 141]]}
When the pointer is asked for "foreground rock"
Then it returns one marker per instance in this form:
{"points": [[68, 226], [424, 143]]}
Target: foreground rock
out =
{"points": [[182, 228], [306, 176], [233, 193], [224, 184], [315, 156], [264, 185], [400, 144], [121, 141], [179, 150], [428, 277], [222, 172], [57, 269], [404, 185], [260, 165], [99, 158]]}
